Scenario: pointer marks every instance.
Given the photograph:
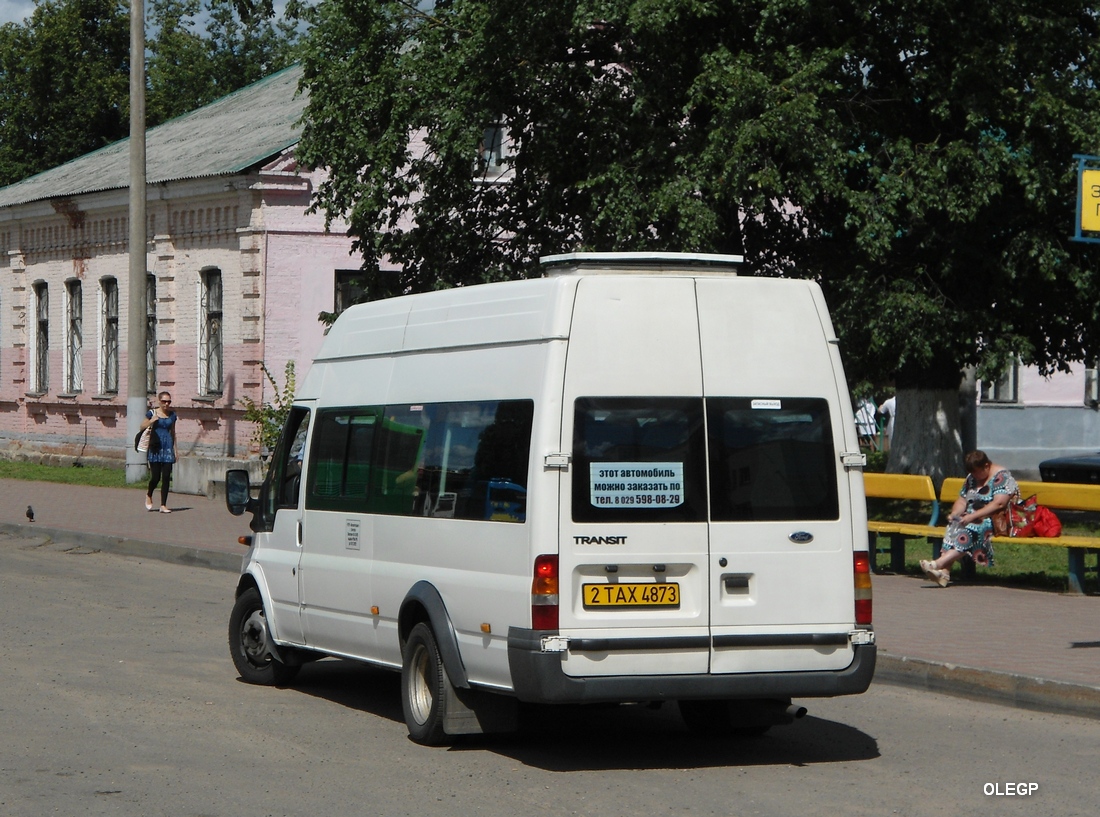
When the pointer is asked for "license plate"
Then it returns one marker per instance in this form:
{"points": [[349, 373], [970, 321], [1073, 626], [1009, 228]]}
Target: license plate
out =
{"points": [[666, 594]]}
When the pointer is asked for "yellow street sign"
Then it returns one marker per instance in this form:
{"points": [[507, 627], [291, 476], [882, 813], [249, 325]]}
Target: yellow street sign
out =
{"points": [[1090, 201]]}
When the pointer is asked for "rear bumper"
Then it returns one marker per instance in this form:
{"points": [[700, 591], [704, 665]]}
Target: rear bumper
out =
{"points": [[537, 677]]}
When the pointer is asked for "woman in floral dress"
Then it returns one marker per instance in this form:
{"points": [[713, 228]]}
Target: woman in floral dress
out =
{"points": [[988, 489]]}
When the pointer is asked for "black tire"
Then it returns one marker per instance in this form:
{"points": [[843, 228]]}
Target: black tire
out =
{"points": [[717, 719], [424, 688], [249, 643]]}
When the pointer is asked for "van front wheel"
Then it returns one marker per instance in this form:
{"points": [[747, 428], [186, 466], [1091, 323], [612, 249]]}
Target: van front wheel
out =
{"points": [[250, 643], [423, 687]]}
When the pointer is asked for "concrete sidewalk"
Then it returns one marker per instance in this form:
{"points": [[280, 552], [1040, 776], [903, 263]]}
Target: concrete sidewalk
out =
{"points": [[1026, 648]]}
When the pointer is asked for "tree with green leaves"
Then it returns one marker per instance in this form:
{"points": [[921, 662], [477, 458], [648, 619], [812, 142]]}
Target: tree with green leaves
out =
{"points": [[64, 84], [914, 157], [65, 72], [188, 68]]}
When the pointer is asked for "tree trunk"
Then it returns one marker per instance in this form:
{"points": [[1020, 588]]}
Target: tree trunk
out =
{"points": [[927, 434]]}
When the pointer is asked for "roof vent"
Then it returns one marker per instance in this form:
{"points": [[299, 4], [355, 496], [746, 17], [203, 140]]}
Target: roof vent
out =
{"points": [[641, 263]]}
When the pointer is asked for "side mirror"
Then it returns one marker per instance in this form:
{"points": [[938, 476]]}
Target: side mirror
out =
{"points": [[238, 492]]}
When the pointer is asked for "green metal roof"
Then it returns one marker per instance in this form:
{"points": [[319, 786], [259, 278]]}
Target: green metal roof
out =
{"points": [[228, 136]]}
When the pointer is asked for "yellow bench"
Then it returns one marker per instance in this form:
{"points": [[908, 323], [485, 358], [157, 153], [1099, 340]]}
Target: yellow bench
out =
{"points": [[909, 487], [1064, 496]]}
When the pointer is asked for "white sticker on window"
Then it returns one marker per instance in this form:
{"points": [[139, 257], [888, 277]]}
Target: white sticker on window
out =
{"points": [[637, 484], [772, 405]]}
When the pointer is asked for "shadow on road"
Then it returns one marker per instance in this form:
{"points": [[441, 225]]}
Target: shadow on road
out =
{"points": [[601, 737]]}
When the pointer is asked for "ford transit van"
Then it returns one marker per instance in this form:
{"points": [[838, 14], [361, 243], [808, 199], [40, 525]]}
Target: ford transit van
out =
{"points": [[635, 479]]}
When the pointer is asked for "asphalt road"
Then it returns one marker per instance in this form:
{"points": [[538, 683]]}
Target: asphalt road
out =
{"points": [[117, 697]]}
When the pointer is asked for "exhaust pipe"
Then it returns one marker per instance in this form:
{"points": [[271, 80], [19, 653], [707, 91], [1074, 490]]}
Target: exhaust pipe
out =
{"points": [[794, 711]]}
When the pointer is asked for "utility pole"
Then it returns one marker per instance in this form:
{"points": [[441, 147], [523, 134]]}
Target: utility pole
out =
{"points": [[137, 372]]}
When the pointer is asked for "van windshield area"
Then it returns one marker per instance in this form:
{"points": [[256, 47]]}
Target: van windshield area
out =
{"points": [[645, 459]]}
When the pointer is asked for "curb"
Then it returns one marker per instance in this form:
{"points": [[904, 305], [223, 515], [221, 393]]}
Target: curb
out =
{"points": [[161, 551], [1005, 688]]}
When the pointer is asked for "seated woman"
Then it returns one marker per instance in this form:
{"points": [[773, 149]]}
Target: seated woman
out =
{"points": [[988, 489]]}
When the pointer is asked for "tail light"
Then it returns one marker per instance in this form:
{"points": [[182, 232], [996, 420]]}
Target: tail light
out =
{"points": [[863, 587], [544, 593]]}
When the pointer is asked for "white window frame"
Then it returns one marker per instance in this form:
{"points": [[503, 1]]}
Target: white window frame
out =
{"points": [[1092, 383], [494, 150], [1006, 388]]}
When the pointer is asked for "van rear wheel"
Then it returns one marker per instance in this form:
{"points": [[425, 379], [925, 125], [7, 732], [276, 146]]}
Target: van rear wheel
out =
{"points": [[424, 687], [250, 643]]}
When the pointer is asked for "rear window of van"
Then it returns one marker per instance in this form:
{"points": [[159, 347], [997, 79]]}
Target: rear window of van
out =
{"points": [[645, 459], [638, 459], [771, 459]]}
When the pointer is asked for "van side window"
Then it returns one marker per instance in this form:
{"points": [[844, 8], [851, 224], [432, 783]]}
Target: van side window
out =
{"points": [[286, 464], [455, 460], [638, 459], [771, 459], [399, 458], [340, 460], [443, 460]]}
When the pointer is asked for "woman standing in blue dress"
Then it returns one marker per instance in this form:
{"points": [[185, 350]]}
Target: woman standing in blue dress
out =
{"points": [[988, 489], [162, 449]]}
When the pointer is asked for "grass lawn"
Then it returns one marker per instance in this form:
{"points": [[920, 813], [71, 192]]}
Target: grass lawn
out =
{"points": [[85, 475], [1042, 568]]}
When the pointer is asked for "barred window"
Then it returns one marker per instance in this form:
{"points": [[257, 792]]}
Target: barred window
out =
{"points": [[109, 349], [210, 344], [42, 338], [74, 336], [151, 334]]}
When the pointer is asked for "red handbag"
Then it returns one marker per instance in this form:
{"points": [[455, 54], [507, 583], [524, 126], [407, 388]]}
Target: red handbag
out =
{"points": [[1046, 523], [1029, 518]]}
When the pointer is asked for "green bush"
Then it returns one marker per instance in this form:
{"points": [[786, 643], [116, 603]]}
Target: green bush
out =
{"points": [[271, 417], [877, 461]]}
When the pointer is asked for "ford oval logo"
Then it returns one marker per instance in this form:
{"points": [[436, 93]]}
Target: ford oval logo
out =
{"points": [[801, 537]]}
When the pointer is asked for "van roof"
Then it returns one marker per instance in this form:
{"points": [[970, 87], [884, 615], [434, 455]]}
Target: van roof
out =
{"points": [[533, 309], [636, 262]]}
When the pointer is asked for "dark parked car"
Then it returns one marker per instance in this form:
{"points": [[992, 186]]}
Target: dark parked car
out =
{"points": [[1072, 469]]}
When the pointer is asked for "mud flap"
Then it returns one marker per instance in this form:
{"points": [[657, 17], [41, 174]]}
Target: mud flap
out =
{"points": [[475, 712]]}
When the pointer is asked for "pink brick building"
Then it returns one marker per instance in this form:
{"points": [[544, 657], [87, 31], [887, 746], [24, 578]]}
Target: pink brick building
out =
{"points": [[237, 274]]}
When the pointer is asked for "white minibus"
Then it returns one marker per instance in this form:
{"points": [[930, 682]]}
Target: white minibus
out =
{"points": [[635, 479]]}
